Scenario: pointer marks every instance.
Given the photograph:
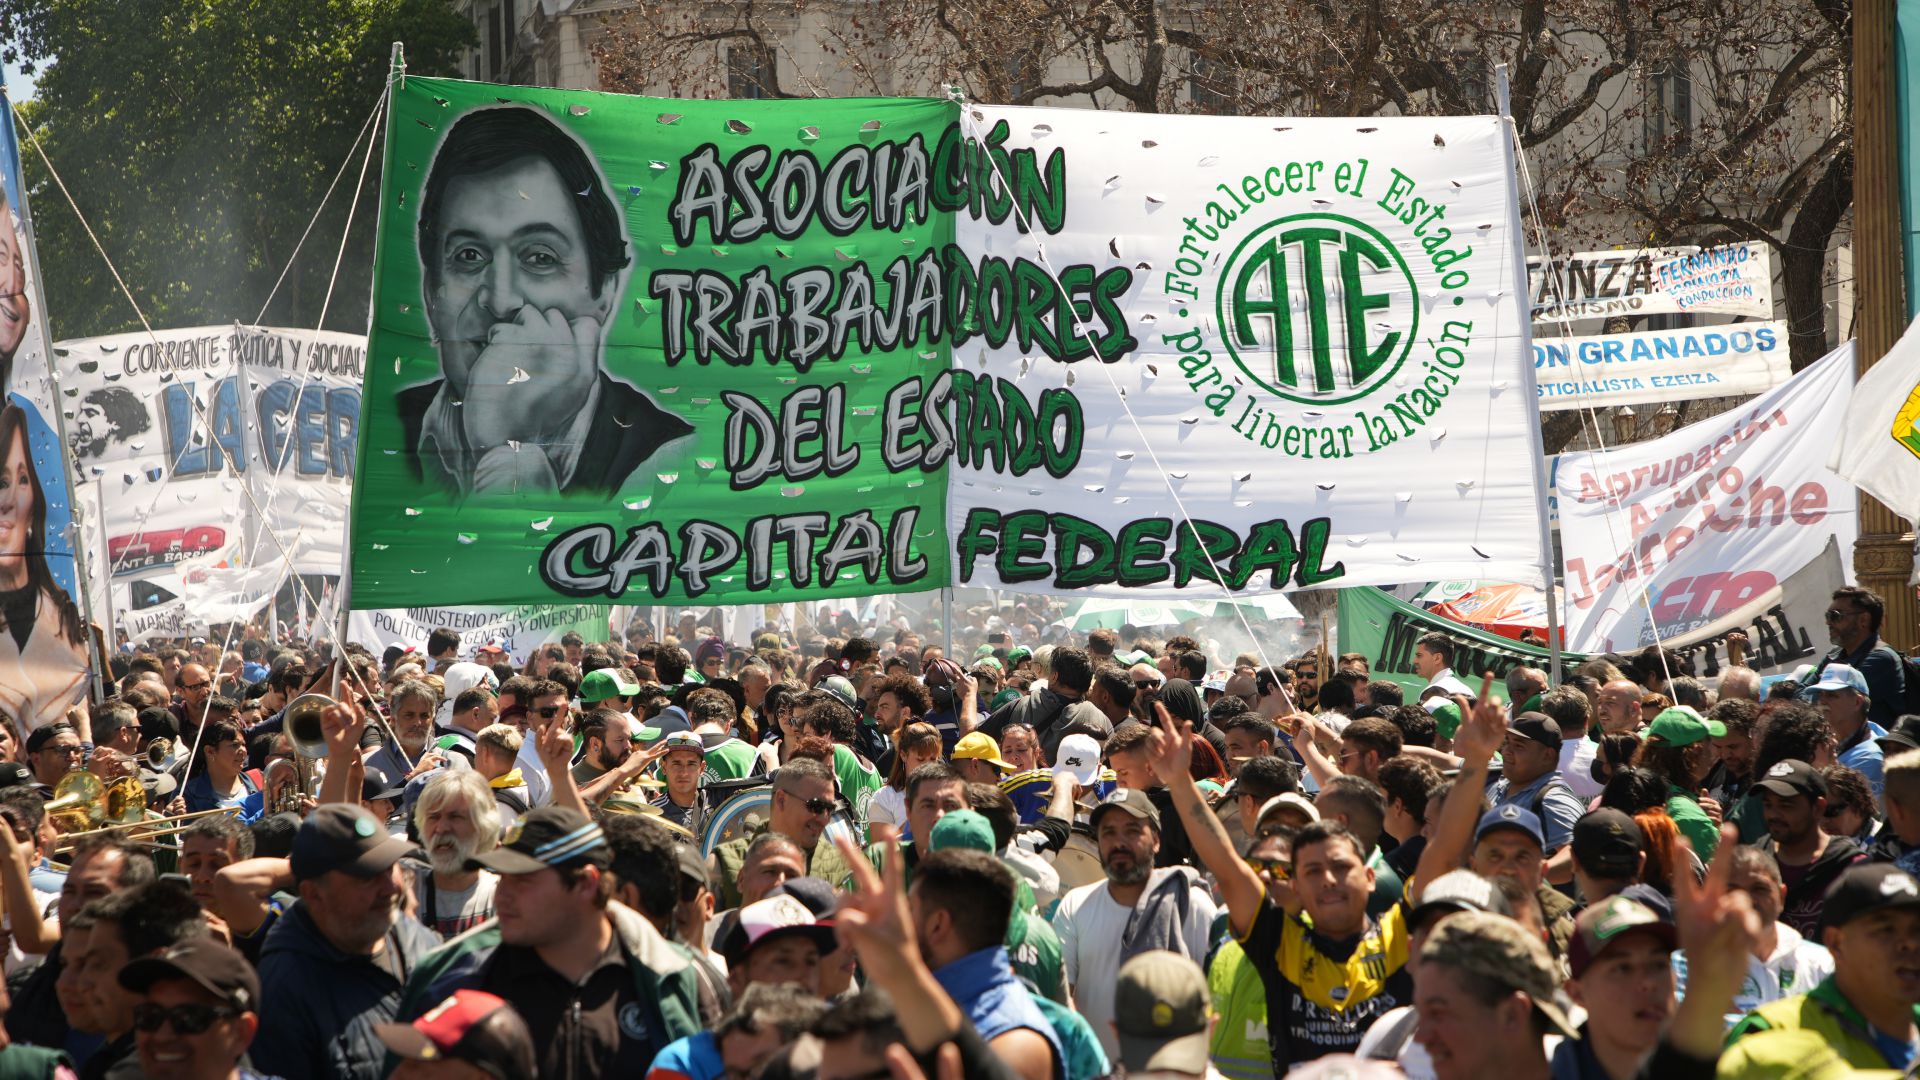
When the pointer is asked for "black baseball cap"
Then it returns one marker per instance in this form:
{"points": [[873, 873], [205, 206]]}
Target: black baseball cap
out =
{"points": [[1866, 888], [1793, 777], [157, 722], [1607, 843], [344, 837], [375, 785], [38, 741], [1539, 727], [547, 836], [14, 774], [217, 968]]}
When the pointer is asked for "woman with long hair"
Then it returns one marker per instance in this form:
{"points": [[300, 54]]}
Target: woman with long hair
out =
{"points": [[780, 735], [916, 745], [43, 646], [1678, 750]]}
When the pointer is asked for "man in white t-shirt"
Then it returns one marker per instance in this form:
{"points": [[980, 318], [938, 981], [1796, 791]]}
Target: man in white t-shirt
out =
{"points": [[1783, 962], [1092, 921], [1570, 709]]}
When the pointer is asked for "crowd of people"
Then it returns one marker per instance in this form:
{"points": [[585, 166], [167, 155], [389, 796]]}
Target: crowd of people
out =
{"points": [[848, 853]]}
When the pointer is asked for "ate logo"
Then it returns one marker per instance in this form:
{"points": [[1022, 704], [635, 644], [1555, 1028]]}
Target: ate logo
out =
{"points": [[1318, 308]]}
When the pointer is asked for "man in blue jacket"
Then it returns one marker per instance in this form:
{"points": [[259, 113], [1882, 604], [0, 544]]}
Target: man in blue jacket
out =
{"points": [[334, 964], [1853, 625]]}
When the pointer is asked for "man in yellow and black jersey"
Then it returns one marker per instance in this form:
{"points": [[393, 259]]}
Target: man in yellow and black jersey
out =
{"points": [[1329, 968]]}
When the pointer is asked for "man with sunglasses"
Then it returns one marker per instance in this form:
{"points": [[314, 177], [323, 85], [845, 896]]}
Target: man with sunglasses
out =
{"points": [[197, 1014], [1853, 625], [195, 688], [122, 927], [802, 804], [53, 752]]}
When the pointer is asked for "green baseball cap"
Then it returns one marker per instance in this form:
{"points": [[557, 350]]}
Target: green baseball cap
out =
{"points": [[962, 829], [1446, 716], [1681, 726], [603, 683]]}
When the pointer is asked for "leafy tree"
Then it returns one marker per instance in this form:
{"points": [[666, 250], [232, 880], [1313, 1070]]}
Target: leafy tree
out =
{"points": [[1656, 122], [197, 136]]}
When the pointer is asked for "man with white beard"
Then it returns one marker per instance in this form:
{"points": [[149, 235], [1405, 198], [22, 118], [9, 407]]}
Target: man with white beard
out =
{"points": [[455, 821]]}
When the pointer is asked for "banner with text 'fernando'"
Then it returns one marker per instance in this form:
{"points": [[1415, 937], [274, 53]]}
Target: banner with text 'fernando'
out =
{"points": [[1735, 279], [631, 350], [1696, 524]]}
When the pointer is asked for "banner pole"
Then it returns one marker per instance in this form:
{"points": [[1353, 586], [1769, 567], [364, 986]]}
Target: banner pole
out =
{"points": [[343, 598], [1504, 91], [946, 619]]}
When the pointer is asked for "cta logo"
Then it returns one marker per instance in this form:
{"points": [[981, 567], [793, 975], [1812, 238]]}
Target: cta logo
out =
{"points": [[1317, 308]]}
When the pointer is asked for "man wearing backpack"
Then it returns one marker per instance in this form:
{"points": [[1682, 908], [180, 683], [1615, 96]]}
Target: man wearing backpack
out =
{"points": [[1853, 625]]}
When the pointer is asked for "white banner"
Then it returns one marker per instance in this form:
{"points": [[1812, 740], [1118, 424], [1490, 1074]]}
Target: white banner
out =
{"points": [[1701, 522], [1310, 337], [519, 629], [174, 419], [1733, 280], [1659, 365]]}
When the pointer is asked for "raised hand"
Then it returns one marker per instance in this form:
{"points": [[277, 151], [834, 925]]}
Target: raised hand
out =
{"points": [[342, 726], [554, 743], [874, 918], [1483, 729], [1170, 747]]}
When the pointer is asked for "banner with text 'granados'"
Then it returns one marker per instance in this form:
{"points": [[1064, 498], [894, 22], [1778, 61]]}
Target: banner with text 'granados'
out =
{"points": [[630, 350]]}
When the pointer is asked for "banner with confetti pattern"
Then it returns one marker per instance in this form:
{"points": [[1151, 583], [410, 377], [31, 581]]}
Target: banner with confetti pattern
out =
{"points": [[630, 350], [43, 640]]}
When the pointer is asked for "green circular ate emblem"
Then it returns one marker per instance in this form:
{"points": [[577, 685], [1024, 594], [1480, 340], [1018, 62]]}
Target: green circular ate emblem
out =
{"points": [[1333, 349]]}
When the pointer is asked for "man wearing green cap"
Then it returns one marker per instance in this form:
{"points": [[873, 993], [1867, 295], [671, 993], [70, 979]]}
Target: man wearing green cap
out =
{"points": [[1032, 947]]}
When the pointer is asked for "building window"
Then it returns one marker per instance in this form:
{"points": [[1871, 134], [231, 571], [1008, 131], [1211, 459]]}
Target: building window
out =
{"points": [[1670, 105], [749, 71]]}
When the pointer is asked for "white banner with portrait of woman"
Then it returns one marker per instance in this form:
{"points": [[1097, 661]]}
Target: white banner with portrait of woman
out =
{"points": [[43, 643]]}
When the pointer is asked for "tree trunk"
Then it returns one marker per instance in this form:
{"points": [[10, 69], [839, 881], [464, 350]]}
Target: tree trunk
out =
{"points": [[1803, 261]]}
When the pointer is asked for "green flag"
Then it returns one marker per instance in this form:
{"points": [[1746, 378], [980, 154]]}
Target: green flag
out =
{"points": [[570, 383]]}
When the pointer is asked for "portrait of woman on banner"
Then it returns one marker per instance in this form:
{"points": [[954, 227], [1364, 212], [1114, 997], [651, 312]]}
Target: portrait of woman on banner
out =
{"points": [[43, 646], [15, 314]]}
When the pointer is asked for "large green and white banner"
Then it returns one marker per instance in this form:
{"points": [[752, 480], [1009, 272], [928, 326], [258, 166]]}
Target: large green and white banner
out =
{"points": [[628, 350]]}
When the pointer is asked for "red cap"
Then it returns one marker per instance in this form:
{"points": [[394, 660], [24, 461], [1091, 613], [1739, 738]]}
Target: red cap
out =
{"points": [[471, 1026]]}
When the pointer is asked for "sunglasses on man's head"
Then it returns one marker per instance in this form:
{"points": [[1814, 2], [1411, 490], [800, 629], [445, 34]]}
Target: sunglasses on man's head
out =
{"points": [[190, 1019]]}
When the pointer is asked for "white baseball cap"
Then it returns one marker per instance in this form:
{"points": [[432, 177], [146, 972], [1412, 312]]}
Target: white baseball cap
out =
{"points": [[1078, 756]]}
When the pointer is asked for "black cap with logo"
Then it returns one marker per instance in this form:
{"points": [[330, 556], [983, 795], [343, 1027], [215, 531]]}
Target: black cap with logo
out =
{"points": [[344, 837]]}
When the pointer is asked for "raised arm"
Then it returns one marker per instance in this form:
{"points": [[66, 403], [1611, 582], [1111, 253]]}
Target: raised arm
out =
{"points": [[1307, 745], [554, 745], [1170, 753], [1480, 734]]}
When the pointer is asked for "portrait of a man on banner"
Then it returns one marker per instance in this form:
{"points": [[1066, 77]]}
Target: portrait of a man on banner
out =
{"points": [[524, 256]]}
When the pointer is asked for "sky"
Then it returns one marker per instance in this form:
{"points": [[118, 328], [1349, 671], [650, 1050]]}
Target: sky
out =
{"points": [[19, 86]]}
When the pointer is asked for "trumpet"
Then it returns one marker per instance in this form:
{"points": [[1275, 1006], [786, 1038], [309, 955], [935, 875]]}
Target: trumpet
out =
{"points": [[80, 802], [309, 743]]}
